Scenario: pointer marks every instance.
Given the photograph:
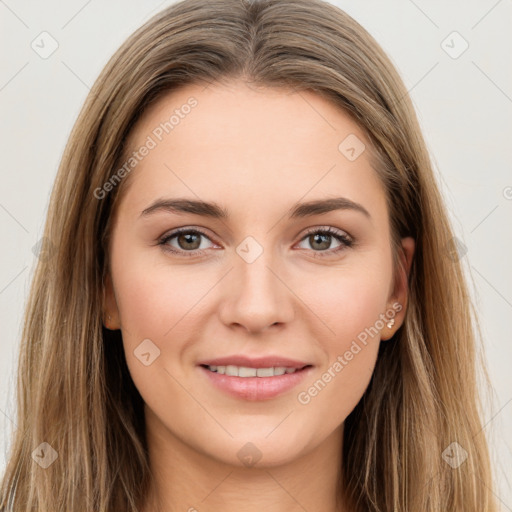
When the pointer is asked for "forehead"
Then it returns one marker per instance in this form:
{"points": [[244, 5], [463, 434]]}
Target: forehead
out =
{"points": [[237, 141]]}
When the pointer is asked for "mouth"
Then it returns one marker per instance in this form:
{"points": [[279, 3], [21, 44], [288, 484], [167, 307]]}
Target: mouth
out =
{"points": [[252, 383], [248, 372]]}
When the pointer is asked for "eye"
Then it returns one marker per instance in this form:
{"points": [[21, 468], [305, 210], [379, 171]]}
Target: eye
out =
{"points": [[188, 240], [321, 239]]}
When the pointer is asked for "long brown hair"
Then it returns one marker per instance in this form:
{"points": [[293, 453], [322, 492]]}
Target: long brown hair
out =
{"points": [[74, 389]]}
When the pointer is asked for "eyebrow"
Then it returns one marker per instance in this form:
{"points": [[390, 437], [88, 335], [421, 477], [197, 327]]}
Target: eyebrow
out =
{"points": [[215, 211]]}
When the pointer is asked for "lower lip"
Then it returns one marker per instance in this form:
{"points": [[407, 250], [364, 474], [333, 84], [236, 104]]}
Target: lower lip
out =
{"points": [[256, 388]]}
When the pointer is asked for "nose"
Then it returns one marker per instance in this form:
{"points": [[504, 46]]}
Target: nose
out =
{"points": [[256, 296]]}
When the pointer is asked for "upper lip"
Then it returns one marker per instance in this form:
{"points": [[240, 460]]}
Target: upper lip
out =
{"points": [[255, 362]]}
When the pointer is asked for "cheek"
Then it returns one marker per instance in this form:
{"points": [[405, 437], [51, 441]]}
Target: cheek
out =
{"points": [[156, 306], [360, 302], [154, 298], [349, 300], [351, 307], [328, 399]]}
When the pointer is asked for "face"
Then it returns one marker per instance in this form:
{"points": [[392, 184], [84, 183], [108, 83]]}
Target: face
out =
{"points": [[262, 278]]}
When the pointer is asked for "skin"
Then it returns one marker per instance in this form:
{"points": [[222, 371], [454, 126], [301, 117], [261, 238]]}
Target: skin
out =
{"points": [[257, 152]]}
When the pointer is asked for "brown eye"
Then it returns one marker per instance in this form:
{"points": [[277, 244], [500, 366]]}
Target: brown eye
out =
{"points": [[320, 241], [187, 243], [189, 240]]}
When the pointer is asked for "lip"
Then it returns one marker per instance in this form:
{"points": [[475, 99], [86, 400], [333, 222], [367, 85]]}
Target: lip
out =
{"points": [[255, 362], [255, 388]]}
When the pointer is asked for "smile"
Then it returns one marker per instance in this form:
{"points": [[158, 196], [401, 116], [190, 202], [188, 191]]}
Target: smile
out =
{"points": [[245, 371], [254, 384]]}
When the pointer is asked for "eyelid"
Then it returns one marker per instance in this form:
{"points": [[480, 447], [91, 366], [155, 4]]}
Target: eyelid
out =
{"points": [[329, 229]]}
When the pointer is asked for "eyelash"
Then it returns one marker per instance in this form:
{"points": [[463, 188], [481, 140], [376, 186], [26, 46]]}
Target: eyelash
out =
{"points": [[344, 239]]}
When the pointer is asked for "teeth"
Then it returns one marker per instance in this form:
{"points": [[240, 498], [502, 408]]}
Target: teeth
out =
{"points": [[232, 370], [244, 371], [265, 372]]}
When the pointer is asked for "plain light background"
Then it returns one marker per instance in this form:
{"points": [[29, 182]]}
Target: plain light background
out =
{"points": [[463, 97]]}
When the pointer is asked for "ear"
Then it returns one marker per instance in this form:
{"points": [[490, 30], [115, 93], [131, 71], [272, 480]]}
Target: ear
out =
{"points": [[398, 300], [110, 311]]}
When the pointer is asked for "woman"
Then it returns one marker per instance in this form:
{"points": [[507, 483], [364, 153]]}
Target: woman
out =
{"points": [[252, 368]]}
